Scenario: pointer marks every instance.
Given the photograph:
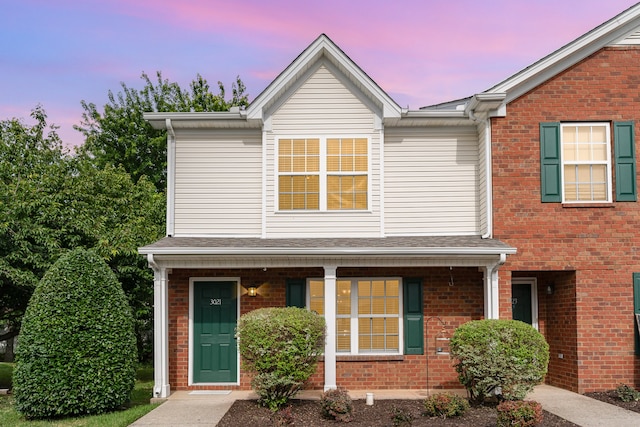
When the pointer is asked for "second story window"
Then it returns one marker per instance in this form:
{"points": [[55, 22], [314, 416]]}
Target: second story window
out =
{"points": [[325, 174], [586, 162], [299, 174]]}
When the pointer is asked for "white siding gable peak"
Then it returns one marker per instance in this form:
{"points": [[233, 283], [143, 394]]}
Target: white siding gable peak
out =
{"points": [[322, 48]]}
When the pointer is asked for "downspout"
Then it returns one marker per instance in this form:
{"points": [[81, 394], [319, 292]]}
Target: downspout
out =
{"points": [[171, 169], [491, 288], [161, 387], [489, 179]]}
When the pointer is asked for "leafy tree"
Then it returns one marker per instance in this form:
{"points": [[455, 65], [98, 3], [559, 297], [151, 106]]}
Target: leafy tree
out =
{"points": [[120, 136], [77, 352], [51, 202]]}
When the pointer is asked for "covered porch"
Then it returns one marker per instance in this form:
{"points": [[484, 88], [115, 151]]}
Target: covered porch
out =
{"points": [[440, 277]]}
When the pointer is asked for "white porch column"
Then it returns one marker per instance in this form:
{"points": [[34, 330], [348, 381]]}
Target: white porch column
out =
{"points": [[330, 318], [491, 289], [161, 387]]}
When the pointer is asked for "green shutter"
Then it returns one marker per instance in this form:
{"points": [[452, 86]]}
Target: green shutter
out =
{"points": [[296, 293], [550, 163], [413, 317], [636, 309], [625, 153]]}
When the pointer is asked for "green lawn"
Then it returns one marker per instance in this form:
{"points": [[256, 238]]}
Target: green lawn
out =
{"points": [[138, 406]]}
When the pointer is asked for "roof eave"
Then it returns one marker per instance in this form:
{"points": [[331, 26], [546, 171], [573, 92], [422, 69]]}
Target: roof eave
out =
{"points": [[618, 27], [449, 251]]}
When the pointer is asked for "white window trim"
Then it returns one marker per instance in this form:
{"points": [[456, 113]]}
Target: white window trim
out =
{"points": [[322, 173], [564, 162], [354, 315]]}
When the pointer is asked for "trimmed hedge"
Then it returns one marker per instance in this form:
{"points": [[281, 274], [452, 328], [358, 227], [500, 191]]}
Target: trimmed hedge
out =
{"points": [[77, 347], [505, 358], [282, 347]]}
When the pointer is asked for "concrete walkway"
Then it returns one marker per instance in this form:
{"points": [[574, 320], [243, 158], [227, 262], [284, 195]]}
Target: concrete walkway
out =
{"points": [[204, 408], [583, 410]]}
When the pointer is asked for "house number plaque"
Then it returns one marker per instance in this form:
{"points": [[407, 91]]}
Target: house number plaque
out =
{"points": [[215, 301]]}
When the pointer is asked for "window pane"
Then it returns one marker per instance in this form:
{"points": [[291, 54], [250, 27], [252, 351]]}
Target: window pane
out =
{"points": [[599, 152], [343, 335], [377, 305], [393, 288], [393, 305], [333, 146], [284, 147], [333, 163], [377, 288], [584, 134], [392, 343], [569, 134], [364, 306], [599, 133], [343, 297], [361, 146], [316, 296]]}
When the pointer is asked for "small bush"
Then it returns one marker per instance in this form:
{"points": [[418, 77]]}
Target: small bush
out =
{"points": [[401, 417], [283, 417], [77, 350], [627, 393], [506, 358], [282, 346], [521, 413], [445, 405], [337, 405]]}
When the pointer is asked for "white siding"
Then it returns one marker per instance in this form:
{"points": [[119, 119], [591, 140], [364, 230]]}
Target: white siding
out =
{"points": [[431, 181], [632, 39], [218, 183], [324, 106]]}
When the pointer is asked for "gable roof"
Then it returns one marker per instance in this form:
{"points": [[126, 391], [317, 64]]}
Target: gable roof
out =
{"points": [[614, 30], [323, 48]]}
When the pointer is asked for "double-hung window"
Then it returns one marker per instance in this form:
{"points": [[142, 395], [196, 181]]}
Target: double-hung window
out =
{"points": [[577, 165], [323, 174], [368, 319], [586, 171]]}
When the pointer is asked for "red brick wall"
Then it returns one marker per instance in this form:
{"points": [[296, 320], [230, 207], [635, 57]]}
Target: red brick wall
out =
{"points": [[593, 250], [447, 304]]}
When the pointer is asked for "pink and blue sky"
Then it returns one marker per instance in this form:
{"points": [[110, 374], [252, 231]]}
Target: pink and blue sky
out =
{"points": [[421, 52]]}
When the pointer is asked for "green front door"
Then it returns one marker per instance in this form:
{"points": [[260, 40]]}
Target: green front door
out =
{"points": [[521, 302], [215, 307]]}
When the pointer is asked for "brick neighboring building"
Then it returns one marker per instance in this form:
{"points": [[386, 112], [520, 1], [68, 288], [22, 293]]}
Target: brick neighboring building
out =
{"points": [[585, 251]]}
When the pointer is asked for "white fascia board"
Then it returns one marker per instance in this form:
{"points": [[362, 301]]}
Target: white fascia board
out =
{"points": [[295, 252], [618, 27]]}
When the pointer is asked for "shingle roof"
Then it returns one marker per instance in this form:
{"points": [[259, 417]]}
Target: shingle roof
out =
{"points": [[392, 245]]}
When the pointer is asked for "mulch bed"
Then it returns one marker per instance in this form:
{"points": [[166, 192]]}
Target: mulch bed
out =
{"points": [[612, 397], [307, 413]]}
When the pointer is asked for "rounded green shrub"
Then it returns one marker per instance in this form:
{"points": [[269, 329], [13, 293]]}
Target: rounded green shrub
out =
{"points": [[505, 358], [281, 346], [77, 347]]}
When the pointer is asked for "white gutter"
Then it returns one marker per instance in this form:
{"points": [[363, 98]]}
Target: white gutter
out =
{"points": [[171, 177], [295, 252]]}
